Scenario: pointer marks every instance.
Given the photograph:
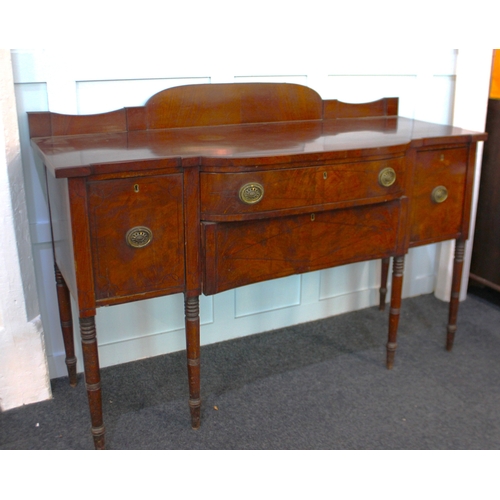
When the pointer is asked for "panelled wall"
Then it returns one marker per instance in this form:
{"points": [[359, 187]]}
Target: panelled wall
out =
{"points": [[86, 82]]}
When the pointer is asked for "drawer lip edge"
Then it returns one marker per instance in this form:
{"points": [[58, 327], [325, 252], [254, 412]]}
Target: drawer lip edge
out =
{"points": [[224, 167], [122, 299], [324, 207]]}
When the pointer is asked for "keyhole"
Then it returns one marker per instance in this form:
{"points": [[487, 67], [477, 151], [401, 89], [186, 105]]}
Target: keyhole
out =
{"points": [[313, 216], [325, 175], [136, 188]]}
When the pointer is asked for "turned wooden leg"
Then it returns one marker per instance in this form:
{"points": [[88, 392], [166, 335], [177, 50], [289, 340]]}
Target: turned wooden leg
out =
{"points": [[458, 265], [383, 282], [66, 319], [192, 310], [397, 285], [92, 378]]}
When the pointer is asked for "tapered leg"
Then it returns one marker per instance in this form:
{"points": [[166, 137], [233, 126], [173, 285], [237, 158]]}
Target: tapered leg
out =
{"points": [[92, 378], [66, 319], [383, 282], [397, 285], [192, 310], [458, 264]]}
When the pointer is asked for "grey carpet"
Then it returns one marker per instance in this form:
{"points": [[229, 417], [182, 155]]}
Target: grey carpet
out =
{"points": [[320, 385]]}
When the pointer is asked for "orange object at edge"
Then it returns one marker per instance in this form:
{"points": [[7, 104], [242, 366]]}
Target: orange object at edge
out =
{"points": [[495, 76]]}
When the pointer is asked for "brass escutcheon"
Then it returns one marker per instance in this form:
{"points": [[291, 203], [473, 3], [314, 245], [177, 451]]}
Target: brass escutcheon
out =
{"points": [[387, 177], [251, 193], [439, 194], [139, 237]]}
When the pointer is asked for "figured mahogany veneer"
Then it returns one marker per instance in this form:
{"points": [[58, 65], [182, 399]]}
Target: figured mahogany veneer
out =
{"points": [[240, 253], [121, 270], [291, 189], [211, 187]]}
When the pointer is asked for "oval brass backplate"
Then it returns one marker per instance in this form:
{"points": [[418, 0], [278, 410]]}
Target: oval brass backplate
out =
{"points": [[139, 236], [387, 177], [251, 193], [439, 194]]}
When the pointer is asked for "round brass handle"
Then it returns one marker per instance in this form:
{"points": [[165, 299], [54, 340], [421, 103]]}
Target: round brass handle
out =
{"points": [[387, 177], [439, 194], [251, 193], [139, 236]]}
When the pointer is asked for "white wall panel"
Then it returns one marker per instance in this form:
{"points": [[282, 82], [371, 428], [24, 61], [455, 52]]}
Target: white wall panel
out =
{"points": [[298, 79], [95, 80], [267, 296], [390, 61], [366, 88], [145, 63], [351, 287], [438, 106], [352, 278], [32, 97], [28, 66], [46, 287], [102, 96], [420, 270]]}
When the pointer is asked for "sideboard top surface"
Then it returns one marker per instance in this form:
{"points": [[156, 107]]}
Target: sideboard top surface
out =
{"points": [[296, 123]]}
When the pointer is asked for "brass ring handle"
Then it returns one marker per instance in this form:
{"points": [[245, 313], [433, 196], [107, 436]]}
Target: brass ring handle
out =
{"points": [[139, 236], [439, 194], [251, 193], [387, 177]]}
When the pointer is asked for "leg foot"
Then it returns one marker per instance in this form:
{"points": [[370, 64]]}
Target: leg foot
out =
{"points": [[71, 367], [192, 310], [195, 409], [92, 378], [391, 351], [98, 435], [397, 285], [66, 319], [458, 264], [450, 337]]}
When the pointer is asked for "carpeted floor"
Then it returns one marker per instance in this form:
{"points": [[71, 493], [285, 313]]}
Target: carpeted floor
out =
{"points": [[320, 385]]}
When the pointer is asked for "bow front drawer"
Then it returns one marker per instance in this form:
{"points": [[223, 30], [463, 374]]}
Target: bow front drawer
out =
{"points": [[232, 196]]}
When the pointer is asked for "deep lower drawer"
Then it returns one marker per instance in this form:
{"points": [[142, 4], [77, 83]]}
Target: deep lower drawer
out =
{"points": [[240, 253], [228, 194]]}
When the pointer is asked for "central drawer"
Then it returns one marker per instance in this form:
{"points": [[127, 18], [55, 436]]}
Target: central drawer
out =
{"points": [[252, 193]]}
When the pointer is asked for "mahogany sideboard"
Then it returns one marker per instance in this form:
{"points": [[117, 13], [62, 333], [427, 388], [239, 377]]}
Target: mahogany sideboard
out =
{"points": [[214, 186]]}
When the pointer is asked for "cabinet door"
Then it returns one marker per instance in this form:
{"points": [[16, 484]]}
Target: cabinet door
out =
{"points": [[438, 195], [137, 236]]}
